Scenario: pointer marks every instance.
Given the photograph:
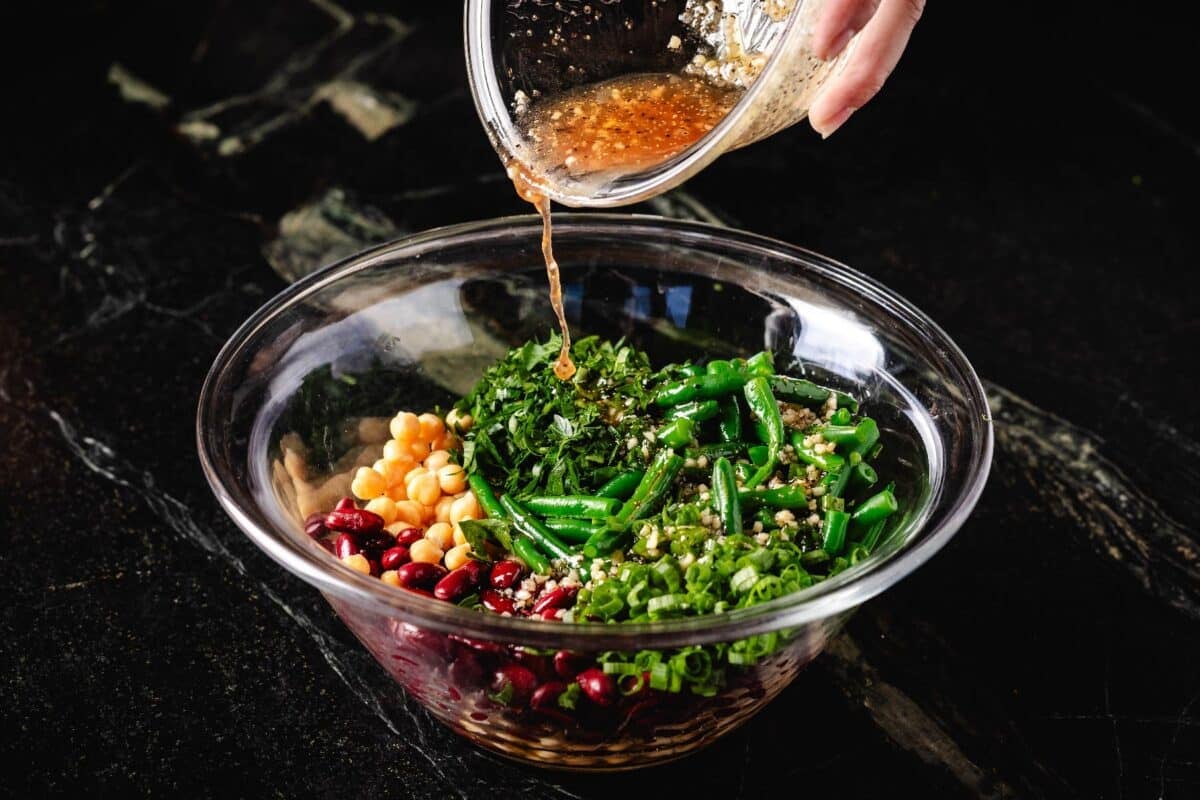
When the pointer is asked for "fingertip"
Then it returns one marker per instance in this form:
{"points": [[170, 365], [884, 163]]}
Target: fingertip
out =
{"points": [[828, 125]]}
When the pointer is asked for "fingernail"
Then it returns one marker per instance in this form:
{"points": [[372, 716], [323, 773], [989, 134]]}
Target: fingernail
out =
{"points": [[838, 45], [835, 122]]}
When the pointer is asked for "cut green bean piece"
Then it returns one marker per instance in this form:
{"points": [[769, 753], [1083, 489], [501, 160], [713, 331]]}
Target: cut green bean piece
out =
{"points": [[486, 497], [798, 390], [574, 505], [528, 552], [622, 485], [834, 531], [576, 531], [876, 507], [532, 527], [725, 496]]}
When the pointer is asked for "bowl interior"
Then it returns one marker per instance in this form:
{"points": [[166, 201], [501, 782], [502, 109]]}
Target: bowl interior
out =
{"points": [[295, 400]]}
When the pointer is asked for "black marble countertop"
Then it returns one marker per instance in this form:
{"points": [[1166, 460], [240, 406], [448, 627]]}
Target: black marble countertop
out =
{"points": [[1027, 178]]}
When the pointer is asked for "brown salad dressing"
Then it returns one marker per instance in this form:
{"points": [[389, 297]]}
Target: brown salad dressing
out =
{"points": [[623, 125]]}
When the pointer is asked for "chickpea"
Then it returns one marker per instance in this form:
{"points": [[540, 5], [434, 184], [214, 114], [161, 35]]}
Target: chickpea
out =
{"points": [[432, 427], [459, 421], [410, 513], [424, 551], [395, 450], [436, 460], [367, 484], [452, 479], [393, 471], [457, 556], [405, 427], [447, 441], [441, 534], [398, 492], [420, 450], [459, 536], [465, 507], [442, 509], [358, 562], [384, 507], [391, 578], [425, 489]]}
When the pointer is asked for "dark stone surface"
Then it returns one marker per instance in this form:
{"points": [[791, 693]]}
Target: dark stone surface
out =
{"points": [[1028, 179]]}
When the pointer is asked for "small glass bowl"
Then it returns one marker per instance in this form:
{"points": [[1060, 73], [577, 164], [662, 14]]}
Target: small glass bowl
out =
{"points": [[533, 49], [410, 325]]}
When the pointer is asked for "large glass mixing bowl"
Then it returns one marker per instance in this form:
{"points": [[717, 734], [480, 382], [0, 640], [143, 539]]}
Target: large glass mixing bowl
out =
{"points": [[301, 394]]}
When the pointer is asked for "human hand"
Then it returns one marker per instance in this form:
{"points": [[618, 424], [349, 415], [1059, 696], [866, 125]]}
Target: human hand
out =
{"points": [[885, 26]]}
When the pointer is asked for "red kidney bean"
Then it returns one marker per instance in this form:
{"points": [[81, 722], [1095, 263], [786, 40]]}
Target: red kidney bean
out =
{"points": [[393, 557], [568, 664], [345, 545], [314, 525], [522, 681], [600, 688], [551, 614], [544, 700], [345, 504], [374, 545], [465, 672], [431, 642], [358, 520], [496, 602], [505, 574], [478, 645], [376, 570], [558, 597], [537, 664], [419, 575], [407, 536], [461, 582]]}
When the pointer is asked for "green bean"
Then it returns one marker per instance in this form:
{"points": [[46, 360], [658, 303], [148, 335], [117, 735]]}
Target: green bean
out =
{"points": [[574, 505], [576, 531], [725, 496], [864, 475], [761, 364], [486, 497], [658, 479], [731, 419], [532, 527], [622, 485], [677, 433], [828, 462], [835, 482], [527, 551], [761, 402], [696, 410], [835, 526], [701, 387], [871, 537], [798, 390], [759, 454], [782, 497], [876, 507], [604, 541], [715, 450]]}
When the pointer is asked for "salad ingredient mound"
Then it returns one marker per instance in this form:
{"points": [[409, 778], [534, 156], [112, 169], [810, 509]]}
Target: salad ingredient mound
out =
{"points": [[626, 494]]}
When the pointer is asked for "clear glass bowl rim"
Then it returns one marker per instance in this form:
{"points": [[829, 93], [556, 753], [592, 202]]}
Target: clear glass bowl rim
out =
{"points": [[827, 599]]}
